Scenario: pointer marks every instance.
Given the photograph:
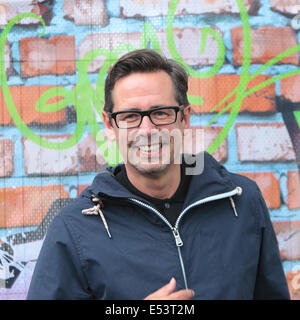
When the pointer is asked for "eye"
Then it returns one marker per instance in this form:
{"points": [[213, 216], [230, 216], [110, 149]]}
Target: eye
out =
{"points": [[162, 113], [129, 117]]}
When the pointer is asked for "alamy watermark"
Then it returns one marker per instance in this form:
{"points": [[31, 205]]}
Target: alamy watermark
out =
{"points": [[157, 149]]}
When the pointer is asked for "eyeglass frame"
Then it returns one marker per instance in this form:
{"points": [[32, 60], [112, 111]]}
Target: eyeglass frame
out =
{"points": [[113, 115]]}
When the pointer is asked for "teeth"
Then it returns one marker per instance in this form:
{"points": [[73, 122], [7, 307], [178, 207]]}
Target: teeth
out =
{"points": [[153, 147]]}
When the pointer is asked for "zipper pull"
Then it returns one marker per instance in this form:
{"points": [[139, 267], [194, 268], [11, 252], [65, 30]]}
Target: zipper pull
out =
{"points": [[178, 240]]}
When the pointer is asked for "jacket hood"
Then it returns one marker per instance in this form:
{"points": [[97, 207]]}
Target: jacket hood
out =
{"points": [[208, 249], [214, 179]]}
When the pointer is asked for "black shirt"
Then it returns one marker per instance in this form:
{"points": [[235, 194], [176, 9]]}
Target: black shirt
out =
{"points": [[170, 208]]}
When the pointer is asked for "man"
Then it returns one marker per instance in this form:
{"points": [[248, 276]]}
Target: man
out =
{"points": [[146, 229]]}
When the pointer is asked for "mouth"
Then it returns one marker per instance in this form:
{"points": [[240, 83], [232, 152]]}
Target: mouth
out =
{"points": [[145, 154], [147, 151], [150, 148]]}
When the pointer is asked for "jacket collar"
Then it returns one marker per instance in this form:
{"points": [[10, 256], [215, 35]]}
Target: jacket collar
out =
{"points": [[213, 179]]}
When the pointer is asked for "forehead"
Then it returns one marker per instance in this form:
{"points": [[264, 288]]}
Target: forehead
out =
{"points": [[143, 90]]}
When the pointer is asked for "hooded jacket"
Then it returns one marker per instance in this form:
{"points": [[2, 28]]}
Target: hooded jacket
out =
{"points": [[222, 246]]}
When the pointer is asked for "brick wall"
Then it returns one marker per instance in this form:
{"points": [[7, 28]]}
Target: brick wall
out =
{"points": [[258, 145]]}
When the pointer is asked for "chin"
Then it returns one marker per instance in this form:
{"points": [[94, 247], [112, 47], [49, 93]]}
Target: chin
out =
{"points": [[150, 169], [150, 163]]}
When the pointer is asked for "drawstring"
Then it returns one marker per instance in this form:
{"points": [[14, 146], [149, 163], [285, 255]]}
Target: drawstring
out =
{"points": [[232, 202], [233, 206], [98, 204]]}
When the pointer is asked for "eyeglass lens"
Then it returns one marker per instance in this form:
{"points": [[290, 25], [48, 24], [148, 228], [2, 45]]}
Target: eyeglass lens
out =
{"points": [[158, 117]]}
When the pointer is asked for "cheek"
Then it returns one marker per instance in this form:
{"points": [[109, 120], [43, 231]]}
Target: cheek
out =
{"points": [[122, 138], [176, 134], [125, 139], [110, 134], [122, 144]]}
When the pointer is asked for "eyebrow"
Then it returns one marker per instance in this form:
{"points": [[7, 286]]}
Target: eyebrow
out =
{"points": [[152, 107]]}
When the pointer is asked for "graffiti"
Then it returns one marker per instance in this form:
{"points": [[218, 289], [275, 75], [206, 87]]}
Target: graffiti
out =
{"points": [[296, 278], [295, 23], [9, 269], [84, 96], [12, 248], [19, 251]]}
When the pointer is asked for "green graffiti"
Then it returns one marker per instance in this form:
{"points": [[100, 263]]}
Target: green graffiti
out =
{"points": [[297, 116], [88, 101], [205, 32], [84, 99], [26, 131], [241, 91], [244, 80]]}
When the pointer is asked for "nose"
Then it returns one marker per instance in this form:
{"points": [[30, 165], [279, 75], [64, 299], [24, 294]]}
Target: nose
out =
{"points": [[146, 125]]}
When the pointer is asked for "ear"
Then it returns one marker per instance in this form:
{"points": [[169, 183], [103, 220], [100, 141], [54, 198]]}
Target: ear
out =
{"points": [[109, 128], [187, 116]]}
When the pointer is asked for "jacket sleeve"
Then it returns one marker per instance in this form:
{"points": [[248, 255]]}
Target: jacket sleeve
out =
{"points": [[271, 281], [58, 272]]}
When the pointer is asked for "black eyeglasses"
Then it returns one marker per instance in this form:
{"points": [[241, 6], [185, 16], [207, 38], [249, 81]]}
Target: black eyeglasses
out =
{"points": [[159, 116]]}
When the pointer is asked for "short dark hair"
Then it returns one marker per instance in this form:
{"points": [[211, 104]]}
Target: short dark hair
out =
{"points": [[146, 60]]}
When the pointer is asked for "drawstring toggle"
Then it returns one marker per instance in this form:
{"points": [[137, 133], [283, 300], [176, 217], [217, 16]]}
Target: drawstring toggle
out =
{"points": [[96, 210]]}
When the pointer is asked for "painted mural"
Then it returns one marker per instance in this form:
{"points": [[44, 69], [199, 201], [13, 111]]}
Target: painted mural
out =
{"points": [[243, 60]]}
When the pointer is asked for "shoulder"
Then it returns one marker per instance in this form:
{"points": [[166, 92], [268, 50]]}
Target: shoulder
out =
{"points": [[73, 210], [252, 197], [246, 183], [250, 190], [66, 212]]}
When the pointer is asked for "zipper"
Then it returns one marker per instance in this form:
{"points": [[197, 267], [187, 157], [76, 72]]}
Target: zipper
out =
{"points": [[175, 231], [237, 190]]}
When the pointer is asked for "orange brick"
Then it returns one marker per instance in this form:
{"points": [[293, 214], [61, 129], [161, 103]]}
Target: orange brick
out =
{"points": [[89, 156], [43, 161], [134, 8], [288, 236], [286, 225], [267, 43], [25, 99], [106, 41], [217, 87], [7, 58], [290, 88], [269, 186], [293, 188], [260, 142], [9, 9], [26, 206], [47, 56], [190, 53], [80, 188], [206, 136], [287, 7], [293, 280], [86, 12], [6, 157], [5, 118]]}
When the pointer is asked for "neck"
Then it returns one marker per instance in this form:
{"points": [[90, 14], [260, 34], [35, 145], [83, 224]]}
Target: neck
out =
{"points": [[160, 185]]}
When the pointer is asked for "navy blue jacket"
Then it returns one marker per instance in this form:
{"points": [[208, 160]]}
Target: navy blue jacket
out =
{"points": [[223, 245]]}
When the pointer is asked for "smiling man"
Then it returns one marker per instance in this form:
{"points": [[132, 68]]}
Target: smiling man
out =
{"points": [[148, 123], [147, 229]]}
